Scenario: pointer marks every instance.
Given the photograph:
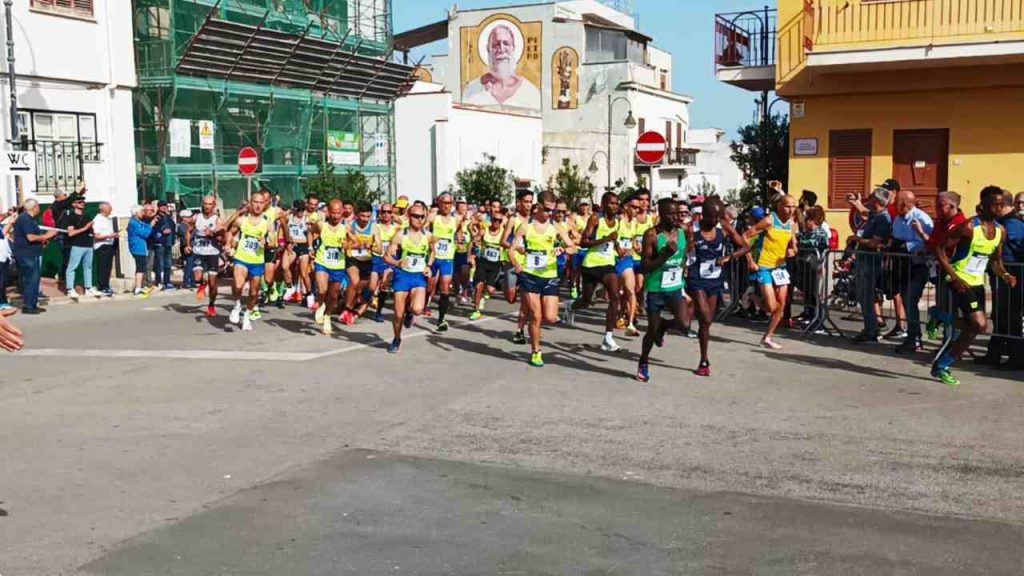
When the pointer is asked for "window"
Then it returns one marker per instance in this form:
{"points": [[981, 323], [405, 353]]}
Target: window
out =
{"points": [[849, 165], [73, 7], [87, 128], [63, 142], [42, 126], [24, 124]]}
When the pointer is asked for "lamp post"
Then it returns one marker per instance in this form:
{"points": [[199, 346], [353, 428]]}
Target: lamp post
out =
{"points": [[766, 112], [629, 123]]}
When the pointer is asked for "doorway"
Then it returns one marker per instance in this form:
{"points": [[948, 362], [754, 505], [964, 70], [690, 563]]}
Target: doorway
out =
{"points": [[920, 161]]}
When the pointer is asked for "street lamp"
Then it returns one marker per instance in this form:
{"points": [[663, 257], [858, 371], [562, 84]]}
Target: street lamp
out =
{"points": [[629, 123], [766, 114], [593, 161]]}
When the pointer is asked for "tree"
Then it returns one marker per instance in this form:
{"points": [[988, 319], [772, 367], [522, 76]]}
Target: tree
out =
{"points": [[352, 187], [749, 155], [486, 182], [572, 185]]}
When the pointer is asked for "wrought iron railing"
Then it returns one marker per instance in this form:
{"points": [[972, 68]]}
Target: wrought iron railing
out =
{"points": [[60, 165], [683, 156], [746, 38]]}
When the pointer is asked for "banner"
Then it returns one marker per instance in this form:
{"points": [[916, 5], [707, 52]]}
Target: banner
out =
{"points": [[343, 148], [181, 138]]}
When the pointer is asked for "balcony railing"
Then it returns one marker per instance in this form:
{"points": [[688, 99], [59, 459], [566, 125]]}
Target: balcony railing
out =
{"points": [[686, 157], [745, 39], [60, 165]]}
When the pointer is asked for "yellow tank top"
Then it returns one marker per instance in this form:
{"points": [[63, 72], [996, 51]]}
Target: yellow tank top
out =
{"points": [[270, 215], [517, 223], [252, 240], [776, 242], [602, 254], [580, 222], [627, 232], [414, 254], [491, 250], [443, 232], [540, 251], [971, 265], [361, 252], [639, 230], [462, 237], [387, 232], [331, 253]]}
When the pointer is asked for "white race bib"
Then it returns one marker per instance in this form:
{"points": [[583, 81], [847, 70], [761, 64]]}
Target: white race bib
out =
{"points": [[672, 278], [203, 243], [443, 249], [978, 264], [625, 243], [780, 276], [492, 254], [415, 263], [297, 231], [537, 260], [332, 256], [606, 249], [361, 253], [250, 245], [710, 270]]}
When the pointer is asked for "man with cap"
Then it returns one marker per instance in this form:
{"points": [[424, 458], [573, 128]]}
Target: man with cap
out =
{"points": [[401, 205], [164, 235], [870, 240]]}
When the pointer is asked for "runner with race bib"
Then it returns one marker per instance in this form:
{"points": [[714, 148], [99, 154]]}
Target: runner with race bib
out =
{"points": [[778, 242]]}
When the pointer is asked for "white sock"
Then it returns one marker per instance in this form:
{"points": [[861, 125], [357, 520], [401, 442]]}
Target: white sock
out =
{"points": [[238, 304], [607, 335]]}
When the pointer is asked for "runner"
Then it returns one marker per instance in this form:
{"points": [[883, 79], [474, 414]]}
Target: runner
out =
{"points": [[599, 237], [277, 221], [380, 278], [411, 255], [329, 266], [487, 260], [205, 237], [463, 236], [704, 279], [663, 256], [538, 270], [443, 227], [524, 207], [778, 244], [560, 217], [627, 249], [295, 260], [249, 234], [579, 222], [361, 235], [979, 249], [645, 220]]}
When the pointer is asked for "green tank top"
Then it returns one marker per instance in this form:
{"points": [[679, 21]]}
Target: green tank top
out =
{"points": [[670, 276], [972, 266]]}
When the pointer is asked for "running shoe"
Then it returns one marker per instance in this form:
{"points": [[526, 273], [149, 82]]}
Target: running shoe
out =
{"points": [[169, 288], [770, 344], [395, 345], [476, 315], [519, 337], [864, 338], [704, 369], [408, 320], [311, 302], [374, 301], [909, 347], [347, 318], [537, 360], [944, 376], [73, 294], [574, 294], [93, 293], [247, 322], [289, 294], [631, 331], [256, 314], [659, 341], [896, 333], [211, 311], [609, 345], [690, 334], [201, 293], [273, 294], [236, 314], [327, 326], [442, 326], [318, 316], [378, 317], [643, 373]]}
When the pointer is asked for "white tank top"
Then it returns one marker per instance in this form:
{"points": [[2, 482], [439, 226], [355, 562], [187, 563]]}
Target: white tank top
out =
{"points": [[205, 245], [297, 228]]}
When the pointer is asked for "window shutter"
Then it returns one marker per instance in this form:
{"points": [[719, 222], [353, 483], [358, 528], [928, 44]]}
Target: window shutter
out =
{"points": [[642, 125], [849, 165], [83, 6], [668, 132]]}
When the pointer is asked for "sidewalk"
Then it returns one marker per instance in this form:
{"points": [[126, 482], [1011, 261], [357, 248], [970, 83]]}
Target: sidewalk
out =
{"points": [[51, 295]]}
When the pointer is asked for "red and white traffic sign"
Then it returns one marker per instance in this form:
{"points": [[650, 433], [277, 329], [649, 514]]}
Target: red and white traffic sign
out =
{"points": [[248, 161], [651, 148]]}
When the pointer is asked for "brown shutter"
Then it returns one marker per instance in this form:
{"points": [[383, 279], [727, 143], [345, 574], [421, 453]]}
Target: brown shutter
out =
{"points": [[849, 165], [668, 133], [642, 124]]}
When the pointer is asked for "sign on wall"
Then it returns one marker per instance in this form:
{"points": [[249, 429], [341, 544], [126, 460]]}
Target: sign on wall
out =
{"points": [[805, 147], [501, 65], [181, 137], [565, 79], [19, 163], [206, 134], [343, 147]]}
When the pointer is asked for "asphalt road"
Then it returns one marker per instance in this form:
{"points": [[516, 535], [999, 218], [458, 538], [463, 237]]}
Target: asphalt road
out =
{"points": [[140, 438]]}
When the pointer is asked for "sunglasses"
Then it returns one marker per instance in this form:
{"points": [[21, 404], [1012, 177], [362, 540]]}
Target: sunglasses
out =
{"points": [[418, 216], [387, 212]]}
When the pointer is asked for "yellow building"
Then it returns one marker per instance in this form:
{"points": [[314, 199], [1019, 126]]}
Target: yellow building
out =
{"points": [[930, 92]]}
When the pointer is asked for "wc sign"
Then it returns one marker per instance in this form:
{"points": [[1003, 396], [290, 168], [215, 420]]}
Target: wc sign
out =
{"points": [[19, 163]]}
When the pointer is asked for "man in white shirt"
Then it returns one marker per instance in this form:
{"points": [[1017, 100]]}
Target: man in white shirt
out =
{"points": [[103, 243]]}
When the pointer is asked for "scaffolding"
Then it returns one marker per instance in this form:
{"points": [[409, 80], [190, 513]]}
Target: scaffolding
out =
{"points": [[291, 78]]}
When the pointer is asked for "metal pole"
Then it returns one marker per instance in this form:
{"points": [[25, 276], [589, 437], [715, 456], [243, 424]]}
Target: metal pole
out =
{"points": [[764, 149], [10, 69], [608, 155], [248, 188]]}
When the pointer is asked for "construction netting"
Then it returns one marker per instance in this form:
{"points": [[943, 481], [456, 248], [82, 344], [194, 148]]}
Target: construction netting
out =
{"points": [[189, 130]]}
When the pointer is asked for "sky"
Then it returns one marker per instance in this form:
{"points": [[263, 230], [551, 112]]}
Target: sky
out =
{"points": [[683, 27]]}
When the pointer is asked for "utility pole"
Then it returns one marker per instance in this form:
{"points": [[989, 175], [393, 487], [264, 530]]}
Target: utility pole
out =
{"points": [[8, 6]]}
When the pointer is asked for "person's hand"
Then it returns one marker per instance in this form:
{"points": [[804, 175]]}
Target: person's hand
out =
{"points": [[916, 225], [87, 226], [10, 336], [612, 237], [852, 198], [752, 266], [672, 246], [188, 249], [1011, 280], [959, 285]]}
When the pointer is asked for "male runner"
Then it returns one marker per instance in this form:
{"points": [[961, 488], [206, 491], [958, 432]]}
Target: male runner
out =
{"points": [[249, 234], [644, 221], [524, 206], [579, 221], [295, 252], [626, 249], [486, 258], [778, 242], [663, 258], [411, 253], [979, 248], [329, 265], [599, 239], [380, 277], [538, 270], [463, 237], [361, 235], [277, 221], [443, 227], [704, 279], [205, 237]]}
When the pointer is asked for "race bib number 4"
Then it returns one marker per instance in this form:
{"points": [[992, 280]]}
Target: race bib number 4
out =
{"points": [[780, 276], [710, 270], [537, 260], [415, 263], [492, 254], [977, 265], [443, 249], [672, 278]]}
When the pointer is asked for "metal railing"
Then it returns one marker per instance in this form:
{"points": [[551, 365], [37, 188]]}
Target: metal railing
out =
{"points": [[744, 39], [60, 165], [683, 156]]}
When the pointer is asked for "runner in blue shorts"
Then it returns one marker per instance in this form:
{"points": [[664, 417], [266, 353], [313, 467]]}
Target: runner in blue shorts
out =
{"points": [[412, 254]]}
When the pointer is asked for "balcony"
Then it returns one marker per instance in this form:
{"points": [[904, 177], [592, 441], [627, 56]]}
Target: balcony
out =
{"points": [[678, 158], [745, 49], [60, 165]]}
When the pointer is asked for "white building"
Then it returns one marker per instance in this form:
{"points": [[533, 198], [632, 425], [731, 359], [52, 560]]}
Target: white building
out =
{"points": [[715, 171], [75, 67], [570, 61]]}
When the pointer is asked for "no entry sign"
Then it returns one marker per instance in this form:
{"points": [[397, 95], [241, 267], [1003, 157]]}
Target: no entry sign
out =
{"points": [[248, 161], [651, 148]]}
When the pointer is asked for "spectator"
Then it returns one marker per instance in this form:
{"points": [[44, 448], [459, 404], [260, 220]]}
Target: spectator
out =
{"points": [[812, 245], [150, 212], [80, 252], [1018, 204], [874, 237], [185, 220], [140, 230], [103, 244], [1008, 301], [164, 233], [910, 232], [5, 262], [28, 253]]}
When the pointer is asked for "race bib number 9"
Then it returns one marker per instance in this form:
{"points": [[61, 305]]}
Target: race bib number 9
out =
{"points": [[780, 276], [492, 254], [977, 265], [443, 249], [332, 256], [710, 270], [672, 278], [537, 260], [415, 263]]}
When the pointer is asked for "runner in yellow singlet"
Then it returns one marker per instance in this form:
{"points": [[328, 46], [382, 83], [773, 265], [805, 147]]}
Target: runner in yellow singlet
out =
{"points": [[579, 223], [277, 221], [444, 225], [778, 242], [248, 233], [627, 249], [412, 254], [380, 278], [645, 220], [485, 254], [524, 206], [329, 263], [599, 238], [463, 238]]}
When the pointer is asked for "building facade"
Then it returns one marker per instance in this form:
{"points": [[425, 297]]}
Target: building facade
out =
{"points": [[929, 92], [583, 69], [307, 83], [75, 72]]}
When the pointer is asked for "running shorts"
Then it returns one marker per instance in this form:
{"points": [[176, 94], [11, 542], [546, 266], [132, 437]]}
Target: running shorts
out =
{"points": [[333, 276], [537, 285], [408, 281], [461, 259], [658, 301], [380, 266], [596, 275], [365, 268], [255, 270], [209, 263], [623, 265], [487, 272], [970, 302], [443, 267], [270, 255], [302, 249]]}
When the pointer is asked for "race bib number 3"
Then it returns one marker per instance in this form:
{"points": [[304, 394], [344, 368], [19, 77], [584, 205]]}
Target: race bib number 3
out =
{"points": [[710, 270], [977, 264], [780, 276], [443, 249], [492, 254], [672, 278], [537, 260], [415, 263]]}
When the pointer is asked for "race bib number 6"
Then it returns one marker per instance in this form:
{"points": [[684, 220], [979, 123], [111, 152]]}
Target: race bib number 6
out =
{"points": [[537, 260]]}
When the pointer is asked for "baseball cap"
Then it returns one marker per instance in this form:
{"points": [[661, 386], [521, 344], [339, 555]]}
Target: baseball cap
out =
{"points": [[460, 200], [186, 213], [892, 185], [757, 212], [402, 203], [882, 195], [697, 209]]}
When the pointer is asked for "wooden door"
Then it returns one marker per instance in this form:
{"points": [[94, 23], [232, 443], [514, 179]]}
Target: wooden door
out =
{"points": [[920, 161]]}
